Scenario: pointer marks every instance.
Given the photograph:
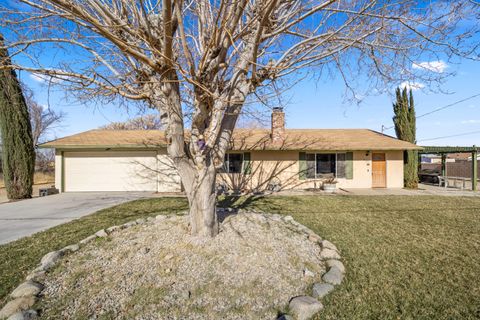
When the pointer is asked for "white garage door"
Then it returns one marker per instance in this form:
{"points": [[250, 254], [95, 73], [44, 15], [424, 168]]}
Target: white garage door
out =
{"points": [[116, 171]]}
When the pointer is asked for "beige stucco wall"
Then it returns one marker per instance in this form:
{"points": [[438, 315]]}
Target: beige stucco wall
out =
{"points": [[58, 170], [267, 167], [394, 169], [283, 166], [168, 179]]}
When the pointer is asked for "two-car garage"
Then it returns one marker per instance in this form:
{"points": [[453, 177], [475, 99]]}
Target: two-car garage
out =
{"points": [[118, 170]]}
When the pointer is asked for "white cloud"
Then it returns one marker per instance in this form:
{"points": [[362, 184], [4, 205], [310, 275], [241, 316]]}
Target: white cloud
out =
{"points": [[42, 78], [411, 85], [38, 77], [437, 66], [472, 121]]}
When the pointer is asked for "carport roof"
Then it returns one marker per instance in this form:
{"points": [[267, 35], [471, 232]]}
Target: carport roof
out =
{"points": [[243, 139]]}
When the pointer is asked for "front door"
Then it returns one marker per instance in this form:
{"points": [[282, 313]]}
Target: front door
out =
{"points": [[379, 170]]}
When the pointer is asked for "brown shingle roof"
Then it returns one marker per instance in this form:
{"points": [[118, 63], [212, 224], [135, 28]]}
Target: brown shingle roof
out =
{"points": [[244, 139], [109, 138]]}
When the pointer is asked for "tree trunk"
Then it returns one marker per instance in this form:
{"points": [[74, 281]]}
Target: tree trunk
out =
{"points": [[202, 202]]}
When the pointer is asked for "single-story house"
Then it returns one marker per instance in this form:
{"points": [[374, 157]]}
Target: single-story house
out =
{"points": [[258, 159]]}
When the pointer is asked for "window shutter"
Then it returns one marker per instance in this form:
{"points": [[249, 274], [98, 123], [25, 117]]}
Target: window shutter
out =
{"points": [[247, 164], [341, 157], [302, 166], [349, 165], [311, 166]]}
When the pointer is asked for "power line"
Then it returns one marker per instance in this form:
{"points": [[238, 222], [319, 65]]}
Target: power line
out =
{"points": [[448, 105], [438, 109], [451, 136]]}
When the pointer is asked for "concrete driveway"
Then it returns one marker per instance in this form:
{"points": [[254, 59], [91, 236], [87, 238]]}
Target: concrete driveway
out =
{"points": [[26, 217]]}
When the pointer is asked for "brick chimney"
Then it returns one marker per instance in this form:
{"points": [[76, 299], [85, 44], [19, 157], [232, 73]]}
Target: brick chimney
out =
{"points": [[278, 125]]}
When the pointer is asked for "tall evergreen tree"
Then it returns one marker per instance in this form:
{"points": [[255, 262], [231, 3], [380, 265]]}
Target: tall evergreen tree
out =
{"points": [[406, 130], [18, 161]]}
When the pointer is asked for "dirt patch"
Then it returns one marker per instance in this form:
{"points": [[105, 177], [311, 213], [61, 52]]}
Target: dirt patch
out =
{"points": [[36, 190], [157, 271]]}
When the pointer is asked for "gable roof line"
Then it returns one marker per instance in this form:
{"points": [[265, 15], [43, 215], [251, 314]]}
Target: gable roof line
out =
{"points": [[243, 139]]}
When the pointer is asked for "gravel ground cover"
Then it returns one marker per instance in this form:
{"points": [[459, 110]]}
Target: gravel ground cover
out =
{"points": [[251, 270]]}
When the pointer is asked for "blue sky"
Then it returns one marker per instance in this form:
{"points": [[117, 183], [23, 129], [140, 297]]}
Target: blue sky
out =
{"points": [[321, 104]]}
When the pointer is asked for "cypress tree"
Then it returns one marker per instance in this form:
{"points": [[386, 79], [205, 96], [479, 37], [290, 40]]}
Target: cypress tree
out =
{"points": [[406, 130], [18, 161]]}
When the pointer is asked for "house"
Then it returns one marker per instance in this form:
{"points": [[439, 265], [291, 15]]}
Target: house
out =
{"points": [[258, 159], [434, 159], [452, 157]]}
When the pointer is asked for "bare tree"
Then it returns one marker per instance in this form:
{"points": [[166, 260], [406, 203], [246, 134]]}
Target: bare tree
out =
{"points": [[45, 161], [200, 63], [43, 120], [146, 122]]}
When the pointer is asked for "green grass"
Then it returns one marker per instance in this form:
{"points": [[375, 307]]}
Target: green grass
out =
{"points": [[406, 257]]}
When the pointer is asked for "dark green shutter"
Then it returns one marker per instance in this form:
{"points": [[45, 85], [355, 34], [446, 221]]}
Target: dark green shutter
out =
{"points": [[311, 165], [349, 165], [302, 163], [247, 165], [302, 166], [341, 160]]}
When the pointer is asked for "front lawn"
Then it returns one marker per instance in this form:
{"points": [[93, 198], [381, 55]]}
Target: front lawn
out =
{"points": [[407, 257]]}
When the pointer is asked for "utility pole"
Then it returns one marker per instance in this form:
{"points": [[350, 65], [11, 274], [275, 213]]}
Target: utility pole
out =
{"points": [[474, 168]]}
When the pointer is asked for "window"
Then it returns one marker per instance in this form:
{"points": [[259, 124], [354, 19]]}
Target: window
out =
{"points": [[325, 165], [233, 162]]}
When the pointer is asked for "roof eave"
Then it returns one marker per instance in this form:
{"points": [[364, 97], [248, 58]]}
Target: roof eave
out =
{"points": [[143, 146], [97, 146]]}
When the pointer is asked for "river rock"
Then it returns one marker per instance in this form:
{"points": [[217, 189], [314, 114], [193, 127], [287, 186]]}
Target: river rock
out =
{"points": [[333, 276], [327, 244], [101, 233], [113, 229], [17, 305], [71, 248], [304, 307], [328, 254], [28, 288], [88, 239], [337, 264], [24, 315], [49, 260], [320, 290]]}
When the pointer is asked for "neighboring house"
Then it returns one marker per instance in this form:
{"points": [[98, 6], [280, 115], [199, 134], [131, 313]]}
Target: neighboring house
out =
{"points": [[434, 159], [279, 158]]}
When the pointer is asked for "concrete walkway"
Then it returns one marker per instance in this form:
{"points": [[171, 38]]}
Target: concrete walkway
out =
{"points": [[26, 217], [423, 190]]}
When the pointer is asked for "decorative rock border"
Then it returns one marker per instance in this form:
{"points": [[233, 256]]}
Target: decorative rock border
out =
{"points": [[300, 307], [28, 292], [305, 307]]}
